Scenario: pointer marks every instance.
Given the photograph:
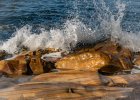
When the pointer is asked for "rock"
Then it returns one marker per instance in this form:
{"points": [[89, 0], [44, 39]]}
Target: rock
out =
{"points": [[120, 56], [15, 65], [79, 77], [109, 70], [124, 63], [4, 55], [50, 50], [4, 68], [101, 55], [6, 82], [43, 60], [12, 67], [65, 85], [27, 62], [90, 60], [36, 64], [49, 60], [62, 91], [136, 60], [135, 70], [108, 47], [52, 57], [122, 80]]}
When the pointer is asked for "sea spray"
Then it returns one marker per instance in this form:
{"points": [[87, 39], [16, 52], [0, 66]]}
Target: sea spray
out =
{"points": [[77, 30], [127, 39]]}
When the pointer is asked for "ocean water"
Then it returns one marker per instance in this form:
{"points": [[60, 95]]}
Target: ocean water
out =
{"points": [[65, 23]]}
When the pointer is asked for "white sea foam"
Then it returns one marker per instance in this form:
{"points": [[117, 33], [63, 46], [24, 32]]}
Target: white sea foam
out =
{"points": [[74, 31], [57, 38], [127, 39]]}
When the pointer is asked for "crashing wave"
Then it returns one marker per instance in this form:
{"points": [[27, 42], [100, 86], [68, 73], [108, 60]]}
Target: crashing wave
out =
{"points": [[75, 31]]}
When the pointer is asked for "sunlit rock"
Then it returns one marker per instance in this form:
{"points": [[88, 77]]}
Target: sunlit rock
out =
{"points": [[87, 59], [50, 50], [12, 67], [101, 55], [83, 85], [71, 76], [34, 61], [91, 61], [36, 64], [122, 80], [27, 62], [62, 91]]}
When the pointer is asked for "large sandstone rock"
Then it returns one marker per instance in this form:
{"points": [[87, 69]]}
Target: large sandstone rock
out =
{"points": [[120, 56], [12, 67], [27, 62], [70, 85], [129, 80], [42, 91], [89, 60], [67, 91], [94, 58], [72, 76]]}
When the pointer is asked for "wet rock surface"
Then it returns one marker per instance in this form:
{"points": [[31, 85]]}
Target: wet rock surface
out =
{"points": [[4, 55], [65, 85], [91, 61], [101, 72], [26, 63], [101, 55]]}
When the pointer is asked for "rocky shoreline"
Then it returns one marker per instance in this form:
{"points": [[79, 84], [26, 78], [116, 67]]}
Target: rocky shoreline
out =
{"points": [[105, 71]]}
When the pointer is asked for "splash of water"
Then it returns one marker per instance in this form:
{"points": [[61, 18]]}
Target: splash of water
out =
{"points": [[75, 31], [56, 38], [127, 39]]}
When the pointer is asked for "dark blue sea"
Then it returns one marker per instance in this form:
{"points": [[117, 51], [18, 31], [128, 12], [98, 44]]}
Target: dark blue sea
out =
{"points": [[64, 23]]}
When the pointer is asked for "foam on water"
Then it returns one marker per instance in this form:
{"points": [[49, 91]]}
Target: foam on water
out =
{"points": [[75, 31]]}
